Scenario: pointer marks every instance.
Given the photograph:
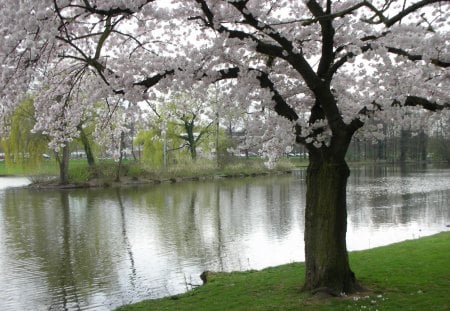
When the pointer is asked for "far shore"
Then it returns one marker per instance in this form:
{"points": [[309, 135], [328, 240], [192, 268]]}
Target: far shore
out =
{"points": [[103, 175]]}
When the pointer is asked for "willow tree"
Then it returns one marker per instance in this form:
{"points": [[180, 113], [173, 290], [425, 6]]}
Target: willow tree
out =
{"points": [[322, 68], [22, 146]]}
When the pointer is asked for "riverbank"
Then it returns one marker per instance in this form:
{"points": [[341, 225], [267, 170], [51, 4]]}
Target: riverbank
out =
{"points": [[104, 174], [411, 275]]}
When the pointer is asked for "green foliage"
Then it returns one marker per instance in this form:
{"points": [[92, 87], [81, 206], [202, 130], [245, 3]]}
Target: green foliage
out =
{"points": [[134, 170], [412, 275], [225, 143], [79, 171], [153, 148], [48, 167], [22, 147], [187, 127]]}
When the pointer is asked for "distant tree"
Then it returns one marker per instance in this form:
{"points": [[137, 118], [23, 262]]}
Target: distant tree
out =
{"points": [[22, 146], [440, 142], [112, 127], [186, 112], [153, 147], [187, 118]]}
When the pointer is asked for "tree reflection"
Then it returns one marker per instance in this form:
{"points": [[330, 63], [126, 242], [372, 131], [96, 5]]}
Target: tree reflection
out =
{"points": [[126, 240], [65, 272], [55, 230]]}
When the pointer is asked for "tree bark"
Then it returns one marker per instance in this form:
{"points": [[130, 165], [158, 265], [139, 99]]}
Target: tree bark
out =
{"points": [[326, 258], [119, 164], [193, 151], [422, 146], [64, 165], [87, 148], [405, 137]]}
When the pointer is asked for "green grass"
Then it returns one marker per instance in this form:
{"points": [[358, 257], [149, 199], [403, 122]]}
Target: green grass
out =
{"points": [[411, 275], [105, 170], [206, 168], [44, 168]]}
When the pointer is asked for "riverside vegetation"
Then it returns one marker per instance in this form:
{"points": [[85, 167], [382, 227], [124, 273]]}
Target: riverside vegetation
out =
{"points": [[410, 275], [133, 172]]}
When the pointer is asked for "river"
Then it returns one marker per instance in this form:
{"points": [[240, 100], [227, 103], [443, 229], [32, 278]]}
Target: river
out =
{"points": [[96, 249]]}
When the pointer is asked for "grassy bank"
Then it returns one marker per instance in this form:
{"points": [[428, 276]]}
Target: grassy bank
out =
{"points": [[46, 167], [104, 172], [412, 275]]}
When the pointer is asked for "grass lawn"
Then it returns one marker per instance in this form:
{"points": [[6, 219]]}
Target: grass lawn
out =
{"points": [[411, 275], [45, 167]]}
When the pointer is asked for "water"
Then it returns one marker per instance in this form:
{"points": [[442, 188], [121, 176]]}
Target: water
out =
{"points": [[97, 249], [9, 182]]}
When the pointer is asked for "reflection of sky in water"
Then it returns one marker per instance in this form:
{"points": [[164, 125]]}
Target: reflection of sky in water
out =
{"points": [[7, 182], [101, 248], [396, 207]]}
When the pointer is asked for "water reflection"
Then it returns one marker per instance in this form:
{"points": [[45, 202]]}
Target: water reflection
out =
{"points": [[395, 203], [100, 248], [9, 182]]}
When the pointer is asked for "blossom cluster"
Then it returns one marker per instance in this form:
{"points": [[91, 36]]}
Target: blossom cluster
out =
{"points": [[269, 58]]}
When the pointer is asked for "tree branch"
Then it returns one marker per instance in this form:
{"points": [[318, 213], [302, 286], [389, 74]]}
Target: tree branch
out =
{"points": [[416, 57], [93, 9], [282, 108], [412, 57], [330, 17], [103, 37], [410, 101], [413, 101], [153, 80], [414, 7], [327, 32], [262, 27]]}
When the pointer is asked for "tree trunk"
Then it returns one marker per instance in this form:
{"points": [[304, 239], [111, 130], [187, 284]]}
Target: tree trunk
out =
{"points": [[87, 148], [405, 136], [64, 165], [191, 140], [326, 258], [422, 144], [119, 164], [193, 150]]}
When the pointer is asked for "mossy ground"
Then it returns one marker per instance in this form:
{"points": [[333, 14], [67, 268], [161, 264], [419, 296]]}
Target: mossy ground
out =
{"points": [[411, 275]]}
